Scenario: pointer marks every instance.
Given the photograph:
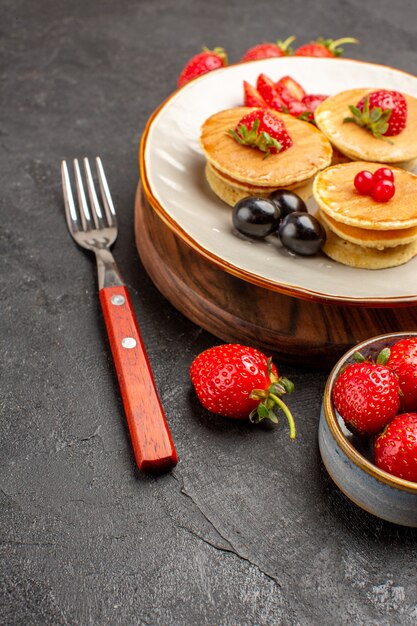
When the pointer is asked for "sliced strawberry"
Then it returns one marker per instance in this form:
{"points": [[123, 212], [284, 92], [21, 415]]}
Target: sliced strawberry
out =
{"points": [[285, 95], [252, 97], [312, 101], [291, 85], [266, 88], [300, 110]]}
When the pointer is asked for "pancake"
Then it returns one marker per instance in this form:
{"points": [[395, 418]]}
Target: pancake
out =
{"points": [[230, 193], [310, 152], [351, 254], [358, 143], [379, 239], [336, 196]]}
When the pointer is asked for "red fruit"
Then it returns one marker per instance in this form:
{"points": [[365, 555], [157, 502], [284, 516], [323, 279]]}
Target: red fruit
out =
{"points": [[300, 110], [395, 449], [383, 190], [266, 88], [403, 360], [364, 182], [382, 112], [263, 130], [384, 173], [312, 101], [267, 50], [239, 382], [323, 47], [366, 395], [252, 97], [291, 86], [202, 63]]}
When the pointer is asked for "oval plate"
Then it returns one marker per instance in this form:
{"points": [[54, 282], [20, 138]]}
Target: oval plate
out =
{"points": [[172, 173]]}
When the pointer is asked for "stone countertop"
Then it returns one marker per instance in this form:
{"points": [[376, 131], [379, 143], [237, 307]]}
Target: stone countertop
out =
{"points": [[248, 529]]}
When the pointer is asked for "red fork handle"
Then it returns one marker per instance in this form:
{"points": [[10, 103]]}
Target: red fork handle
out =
{"points": [[151, 439]]}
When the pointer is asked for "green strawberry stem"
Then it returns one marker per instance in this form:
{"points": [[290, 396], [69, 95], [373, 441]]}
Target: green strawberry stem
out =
{"points": [[333, 45], [374, 120], [287, 412], [263, 140], [285, 45]]}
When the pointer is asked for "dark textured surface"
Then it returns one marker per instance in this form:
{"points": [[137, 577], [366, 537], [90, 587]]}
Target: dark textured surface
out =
{"points": [[248, 529]]}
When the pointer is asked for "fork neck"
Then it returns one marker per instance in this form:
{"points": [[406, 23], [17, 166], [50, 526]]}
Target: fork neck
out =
{"points": [[108, 274]]}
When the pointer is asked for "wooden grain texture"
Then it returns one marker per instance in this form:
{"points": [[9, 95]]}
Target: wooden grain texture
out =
{"points": [[298, 331], [151, 439]]}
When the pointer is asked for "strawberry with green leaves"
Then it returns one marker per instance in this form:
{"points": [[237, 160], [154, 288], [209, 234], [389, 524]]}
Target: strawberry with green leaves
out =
{"points": [[201, 63], [383, 113], [263, 130], [268, 50], [240, 382], [323, 47], [367, 395], [395, 449]]}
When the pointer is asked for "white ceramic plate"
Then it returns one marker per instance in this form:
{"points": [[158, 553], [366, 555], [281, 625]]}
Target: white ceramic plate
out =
{"points": [[172, 174]]}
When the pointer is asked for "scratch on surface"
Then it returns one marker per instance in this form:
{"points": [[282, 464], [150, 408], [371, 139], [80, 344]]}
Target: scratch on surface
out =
{"points": [[96, 433], [230, 547]]}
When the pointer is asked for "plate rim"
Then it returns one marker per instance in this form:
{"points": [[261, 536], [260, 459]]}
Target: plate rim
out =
{"points": [[295, 291]]}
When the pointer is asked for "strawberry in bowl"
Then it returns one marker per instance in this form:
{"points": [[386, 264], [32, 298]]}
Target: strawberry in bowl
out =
{"points": [[376, 469]]}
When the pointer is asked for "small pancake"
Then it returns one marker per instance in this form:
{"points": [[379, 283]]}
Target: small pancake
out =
{"points": [[358, 143], [255, 188], [351, 254], [230, 193], [336, 196], [379, 239], [310, 152]]}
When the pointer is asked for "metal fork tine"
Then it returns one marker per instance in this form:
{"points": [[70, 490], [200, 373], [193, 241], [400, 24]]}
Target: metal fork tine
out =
{"points": [[84, 212], [70, 210], [95, 206], [105, 194]]}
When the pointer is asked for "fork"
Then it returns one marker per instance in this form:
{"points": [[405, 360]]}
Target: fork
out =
{"points": [[94, 227]]}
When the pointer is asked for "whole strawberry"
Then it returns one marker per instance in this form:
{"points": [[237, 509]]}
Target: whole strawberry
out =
{"points": [[382, 112], [395, 449], [403, 360], [323, 47], [240, 382], [263, 130], [202, 63], [268, 50], [367, 396]]}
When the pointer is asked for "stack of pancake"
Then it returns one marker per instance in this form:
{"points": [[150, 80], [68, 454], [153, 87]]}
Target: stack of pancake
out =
{"points": [[360, 231], [234, 171], [357, 143]]}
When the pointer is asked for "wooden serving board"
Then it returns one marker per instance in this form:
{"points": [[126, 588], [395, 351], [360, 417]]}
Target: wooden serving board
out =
{"points": [[298, 331]]}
